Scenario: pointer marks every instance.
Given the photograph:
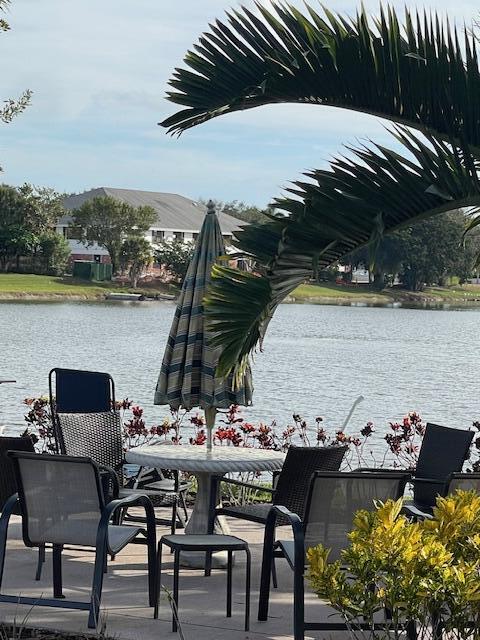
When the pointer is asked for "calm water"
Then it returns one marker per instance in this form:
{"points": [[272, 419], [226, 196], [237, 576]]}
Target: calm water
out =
{"points": [[317, 359]]}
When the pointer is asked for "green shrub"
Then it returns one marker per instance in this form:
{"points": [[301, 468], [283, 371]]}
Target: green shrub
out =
{"points": [[425, 572]]}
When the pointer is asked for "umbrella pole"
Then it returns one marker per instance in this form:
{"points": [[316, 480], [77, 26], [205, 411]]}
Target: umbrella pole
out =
{"points": [[210, 415]]}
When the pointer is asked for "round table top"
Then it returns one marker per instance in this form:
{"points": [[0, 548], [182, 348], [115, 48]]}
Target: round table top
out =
{"points": [[197, 459]]}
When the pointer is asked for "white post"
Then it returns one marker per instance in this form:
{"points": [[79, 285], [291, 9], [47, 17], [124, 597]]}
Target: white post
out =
{"points": [[210, 415], [350, 413]]}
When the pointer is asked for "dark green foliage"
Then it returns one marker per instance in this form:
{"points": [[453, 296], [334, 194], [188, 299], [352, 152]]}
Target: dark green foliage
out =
{"points": [[107, 222], [27, 216], [423, 74], [135, 256], [415, 73], [175, 256], [245, 212], [53, 253]]}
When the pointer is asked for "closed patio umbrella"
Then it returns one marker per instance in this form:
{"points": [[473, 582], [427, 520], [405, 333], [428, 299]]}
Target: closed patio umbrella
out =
{"points": [[187, 377]]}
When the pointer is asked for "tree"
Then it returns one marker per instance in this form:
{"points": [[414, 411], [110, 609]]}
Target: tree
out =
{"points": [[17, 234], [27, 218], [107, 222], [245, 212], [135, 255], [53, 253], [175, 256], [421, 75], [433, 252]]}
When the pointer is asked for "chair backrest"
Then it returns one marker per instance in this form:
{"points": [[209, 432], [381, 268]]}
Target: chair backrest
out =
{"points": [[95, 435], [76, 391], [334, 498], [8, 486], [443, 451], [61, 498], [464, 482], [300, 464]]}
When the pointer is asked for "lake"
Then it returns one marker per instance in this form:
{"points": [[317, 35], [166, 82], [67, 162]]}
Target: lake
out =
{"points": [[317, 359]]}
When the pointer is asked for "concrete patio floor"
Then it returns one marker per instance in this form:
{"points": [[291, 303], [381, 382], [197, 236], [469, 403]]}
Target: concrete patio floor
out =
{"points": [[124, 599]]}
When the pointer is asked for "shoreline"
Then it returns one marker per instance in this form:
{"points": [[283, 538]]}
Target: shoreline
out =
{"points": [[381, 300]]}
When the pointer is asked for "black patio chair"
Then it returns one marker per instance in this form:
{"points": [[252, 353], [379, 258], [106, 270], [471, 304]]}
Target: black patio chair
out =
{"points": [[87, 424], [290, 487], [333, 499], [61, 502], [443, 452], [8, 485]]}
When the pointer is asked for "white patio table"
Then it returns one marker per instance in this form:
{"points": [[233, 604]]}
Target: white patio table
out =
{"points": [[203, 464]]}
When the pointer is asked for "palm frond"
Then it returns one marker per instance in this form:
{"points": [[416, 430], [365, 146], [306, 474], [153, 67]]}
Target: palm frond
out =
{"points": [[415, 74], [329, 214]]}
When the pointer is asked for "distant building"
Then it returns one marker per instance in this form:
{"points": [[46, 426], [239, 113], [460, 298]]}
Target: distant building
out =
{"points": [[177, 218]]}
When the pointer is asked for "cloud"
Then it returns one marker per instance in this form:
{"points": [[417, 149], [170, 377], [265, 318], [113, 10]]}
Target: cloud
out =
{"points": [[99, 72]]}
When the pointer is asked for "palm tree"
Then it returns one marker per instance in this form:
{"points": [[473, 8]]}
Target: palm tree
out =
{"points": [[417, 75]]}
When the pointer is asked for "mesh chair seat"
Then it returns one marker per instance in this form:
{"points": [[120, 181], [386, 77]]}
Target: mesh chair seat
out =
{"points": [[253, 513], [203, 542], [120, 535]]}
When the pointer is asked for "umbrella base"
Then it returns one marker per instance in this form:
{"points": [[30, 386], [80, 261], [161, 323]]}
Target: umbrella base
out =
{"points": [[198, 524]]}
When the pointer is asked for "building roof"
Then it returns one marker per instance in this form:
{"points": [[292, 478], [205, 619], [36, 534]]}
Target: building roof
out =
{"points": [[174, 212]]}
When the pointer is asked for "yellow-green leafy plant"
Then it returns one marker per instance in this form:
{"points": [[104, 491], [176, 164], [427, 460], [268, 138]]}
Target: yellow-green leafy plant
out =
{"points": [[420, 576]]}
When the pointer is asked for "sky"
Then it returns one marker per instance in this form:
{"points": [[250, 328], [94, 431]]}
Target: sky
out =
{"points": [[99, 73]]}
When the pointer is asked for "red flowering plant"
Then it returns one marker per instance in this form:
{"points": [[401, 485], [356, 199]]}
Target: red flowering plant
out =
{"points": [[40, 424], [135, 431]]}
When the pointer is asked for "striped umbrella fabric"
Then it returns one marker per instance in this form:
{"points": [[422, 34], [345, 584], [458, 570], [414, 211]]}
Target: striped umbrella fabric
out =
{"points": [[187, 376]]}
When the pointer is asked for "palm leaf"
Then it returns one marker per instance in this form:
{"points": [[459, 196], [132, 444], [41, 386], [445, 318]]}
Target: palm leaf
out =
{"points": [[325, 217], [413, 74]]}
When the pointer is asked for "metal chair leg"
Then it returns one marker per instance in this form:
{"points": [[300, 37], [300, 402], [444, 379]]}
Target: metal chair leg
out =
{"points": [[298, 603], [229, 584], [57, 571], [274, 573], [4, 520], [158, 581], [208, 563], [248, 571], [176, 571], [173, 527], [183, 519], [97, 585], [40, 561]]}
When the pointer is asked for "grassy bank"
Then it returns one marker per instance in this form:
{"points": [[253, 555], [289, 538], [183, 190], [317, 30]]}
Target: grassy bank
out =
{"points": [[17, 285], [364, 294]]}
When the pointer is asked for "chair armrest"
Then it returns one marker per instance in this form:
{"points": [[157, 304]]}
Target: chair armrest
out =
{"points": [[129, 501], [429, 480], [113, 477], [382, 470], [248, 485]]}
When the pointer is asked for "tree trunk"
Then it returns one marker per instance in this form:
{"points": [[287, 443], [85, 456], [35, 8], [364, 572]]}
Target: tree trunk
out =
{"points": [[379, 280]]}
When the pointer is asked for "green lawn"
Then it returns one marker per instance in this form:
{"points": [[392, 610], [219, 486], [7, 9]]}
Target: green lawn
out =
{"points": [[18, 284], [326, 290], [329, 292]]}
